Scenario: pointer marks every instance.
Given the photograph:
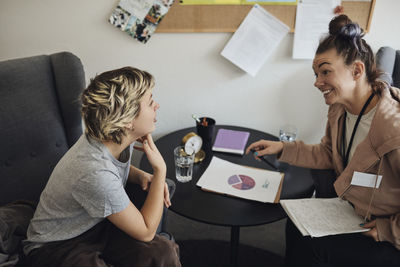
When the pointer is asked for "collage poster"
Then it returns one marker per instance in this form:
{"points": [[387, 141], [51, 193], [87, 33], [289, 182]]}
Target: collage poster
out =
{"points": [[139, 18]]}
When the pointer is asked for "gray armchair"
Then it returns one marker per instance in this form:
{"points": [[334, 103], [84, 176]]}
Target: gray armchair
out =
{"points": [[388, 60], [40, 120]]}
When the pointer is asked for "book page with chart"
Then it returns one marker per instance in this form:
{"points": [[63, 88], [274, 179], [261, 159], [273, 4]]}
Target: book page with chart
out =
{"points": [[236, 180], [319, 217]]}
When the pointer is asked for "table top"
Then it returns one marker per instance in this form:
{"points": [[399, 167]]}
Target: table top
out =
{"points": [[194, 203]]}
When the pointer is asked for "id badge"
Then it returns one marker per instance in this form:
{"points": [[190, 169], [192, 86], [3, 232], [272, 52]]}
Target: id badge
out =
{"points": [[366, 179]]}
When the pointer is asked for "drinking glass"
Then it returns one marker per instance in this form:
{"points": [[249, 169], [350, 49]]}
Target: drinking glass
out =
{"points": [[183, 164], [288, 133]]}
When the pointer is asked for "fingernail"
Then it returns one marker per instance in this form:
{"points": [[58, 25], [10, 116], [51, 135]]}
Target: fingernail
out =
{"points": [[362, 224], [145, 141], [256, 153]]}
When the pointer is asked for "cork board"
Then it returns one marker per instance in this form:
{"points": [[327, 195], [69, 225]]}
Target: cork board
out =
{"points": [[227, 18]]}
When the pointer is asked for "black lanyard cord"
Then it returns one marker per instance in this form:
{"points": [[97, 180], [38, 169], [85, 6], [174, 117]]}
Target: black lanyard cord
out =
{"points": [[346, 156]]}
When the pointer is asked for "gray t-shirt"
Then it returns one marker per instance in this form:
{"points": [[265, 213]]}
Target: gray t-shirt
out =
{"points": [[86, 186]]}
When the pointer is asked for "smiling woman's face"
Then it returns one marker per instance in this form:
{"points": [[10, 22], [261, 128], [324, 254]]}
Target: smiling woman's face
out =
{"points": [[333, 77]]}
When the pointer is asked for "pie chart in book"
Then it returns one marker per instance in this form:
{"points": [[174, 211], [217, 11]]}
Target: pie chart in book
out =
{"points": [[241, 182]]}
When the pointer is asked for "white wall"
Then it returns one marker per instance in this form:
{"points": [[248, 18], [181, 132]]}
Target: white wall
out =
{"points": [[191, 76]]}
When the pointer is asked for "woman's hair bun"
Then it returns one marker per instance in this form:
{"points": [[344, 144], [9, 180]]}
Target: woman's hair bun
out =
{"points": [[344, 27]]}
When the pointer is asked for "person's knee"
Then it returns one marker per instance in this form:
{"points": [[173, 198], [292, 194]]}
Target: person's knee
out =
{"points": [[165, 251], [123, 251]]}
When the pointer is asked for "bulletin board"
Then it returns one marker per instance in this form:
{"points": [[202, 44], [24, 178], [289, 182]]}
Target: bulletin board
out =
{"points": [[227, 18]]}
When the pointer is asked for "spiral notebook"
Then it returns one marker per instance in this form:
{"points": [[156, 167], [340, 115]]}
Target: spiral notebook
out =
{"points": [[231, 141]]}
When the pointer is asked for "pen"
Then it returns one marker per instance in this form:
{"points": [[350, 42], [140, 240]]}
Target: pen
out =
{"points": [[205, 122], [197, 119], [266, 161]]}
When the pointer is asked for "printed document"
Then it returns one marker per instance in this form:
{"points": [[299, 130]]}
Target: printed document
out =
{"points": [[312, 22], [255, 40], [318, 217], [229, 178], [237, 2]]}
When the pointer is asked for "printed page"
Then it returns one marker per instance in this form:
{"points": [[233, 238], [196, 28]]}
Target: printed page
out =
{"points": [[255, 40], [271, 2], [237, 2], [312, 22], [294, 219], [236, 180], [323, 216]]}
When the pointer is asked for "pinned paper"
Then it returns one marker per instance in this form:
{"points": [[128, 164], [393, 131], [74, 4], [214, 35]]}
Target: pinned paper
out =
{"points": [[312, 20], [238, 2], [255, 40]]}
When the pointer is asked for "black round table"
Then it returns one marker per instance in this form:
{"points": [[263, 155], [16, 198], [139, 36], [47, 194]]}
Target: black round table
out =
{"points": [[192, 202]]}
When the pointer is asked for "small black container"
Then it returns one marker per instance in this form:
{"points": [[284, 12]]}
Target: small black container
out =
{"points": [[206, 132]]}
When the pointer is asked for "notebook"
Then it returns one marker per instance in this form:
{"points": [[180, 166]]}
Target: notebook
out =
{"points": [[317, 217], [231, 141]]}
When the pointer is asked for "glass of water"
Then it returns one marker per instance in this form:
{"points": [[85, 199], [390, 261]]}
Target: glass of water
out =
{"points": [[287, 133], [183, 164]]}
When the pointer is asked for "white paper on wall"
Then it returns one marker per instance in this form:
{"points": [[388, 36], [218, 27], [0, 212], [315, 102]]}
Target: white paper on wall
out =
{"points": [[255, 40]]}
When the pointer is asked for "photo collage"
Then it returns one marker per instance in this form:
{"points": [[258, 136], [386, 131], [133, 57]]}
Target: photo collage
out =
{"points": [[139, 18]]}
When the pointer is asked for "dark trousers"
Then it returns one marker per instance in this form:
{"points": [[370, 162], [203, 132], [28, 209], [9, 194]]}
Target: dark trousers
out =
{"points": [[337, 250], [106, 245]]}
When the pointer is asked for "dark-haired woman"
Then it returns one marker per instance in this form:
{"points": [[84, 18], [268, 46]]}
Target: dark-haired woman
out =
{"points": [[363, 135]]}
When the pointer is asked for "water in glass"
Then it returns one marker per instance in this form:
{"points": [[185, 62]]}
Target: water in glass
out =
{"points": [[183, 165], [287, 136], [183, 170], [287, 133]]}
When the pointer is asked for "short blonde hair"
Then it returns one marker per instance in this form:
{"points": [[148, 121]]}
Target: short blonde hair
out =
{"points": [[112, 101]]}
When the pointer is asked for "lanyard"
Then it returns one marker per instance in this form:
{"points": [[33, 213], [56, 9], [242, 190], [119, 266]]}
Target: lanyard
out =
{"points": [[346, 156]]}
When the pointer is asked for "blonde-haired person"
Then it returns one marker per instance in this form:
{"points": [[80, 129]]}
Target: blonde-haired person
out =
{"points": [[362, 134], [88, 185]]}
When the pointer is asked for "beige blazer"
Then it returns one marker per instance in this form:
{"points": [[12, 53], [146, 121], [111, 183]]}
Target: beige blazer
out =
{"points": [[379, 153]]}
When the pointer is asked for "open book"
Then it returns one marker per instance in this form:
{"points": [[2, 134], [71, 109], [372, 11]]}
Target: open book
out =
{"points": [[318, 217], [236, 180]]}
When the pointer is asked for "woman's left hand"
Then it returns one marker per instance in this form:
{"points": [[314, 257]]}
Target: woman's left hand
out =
{"points": [[373, 232], [167, 201], [145, 180]]}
